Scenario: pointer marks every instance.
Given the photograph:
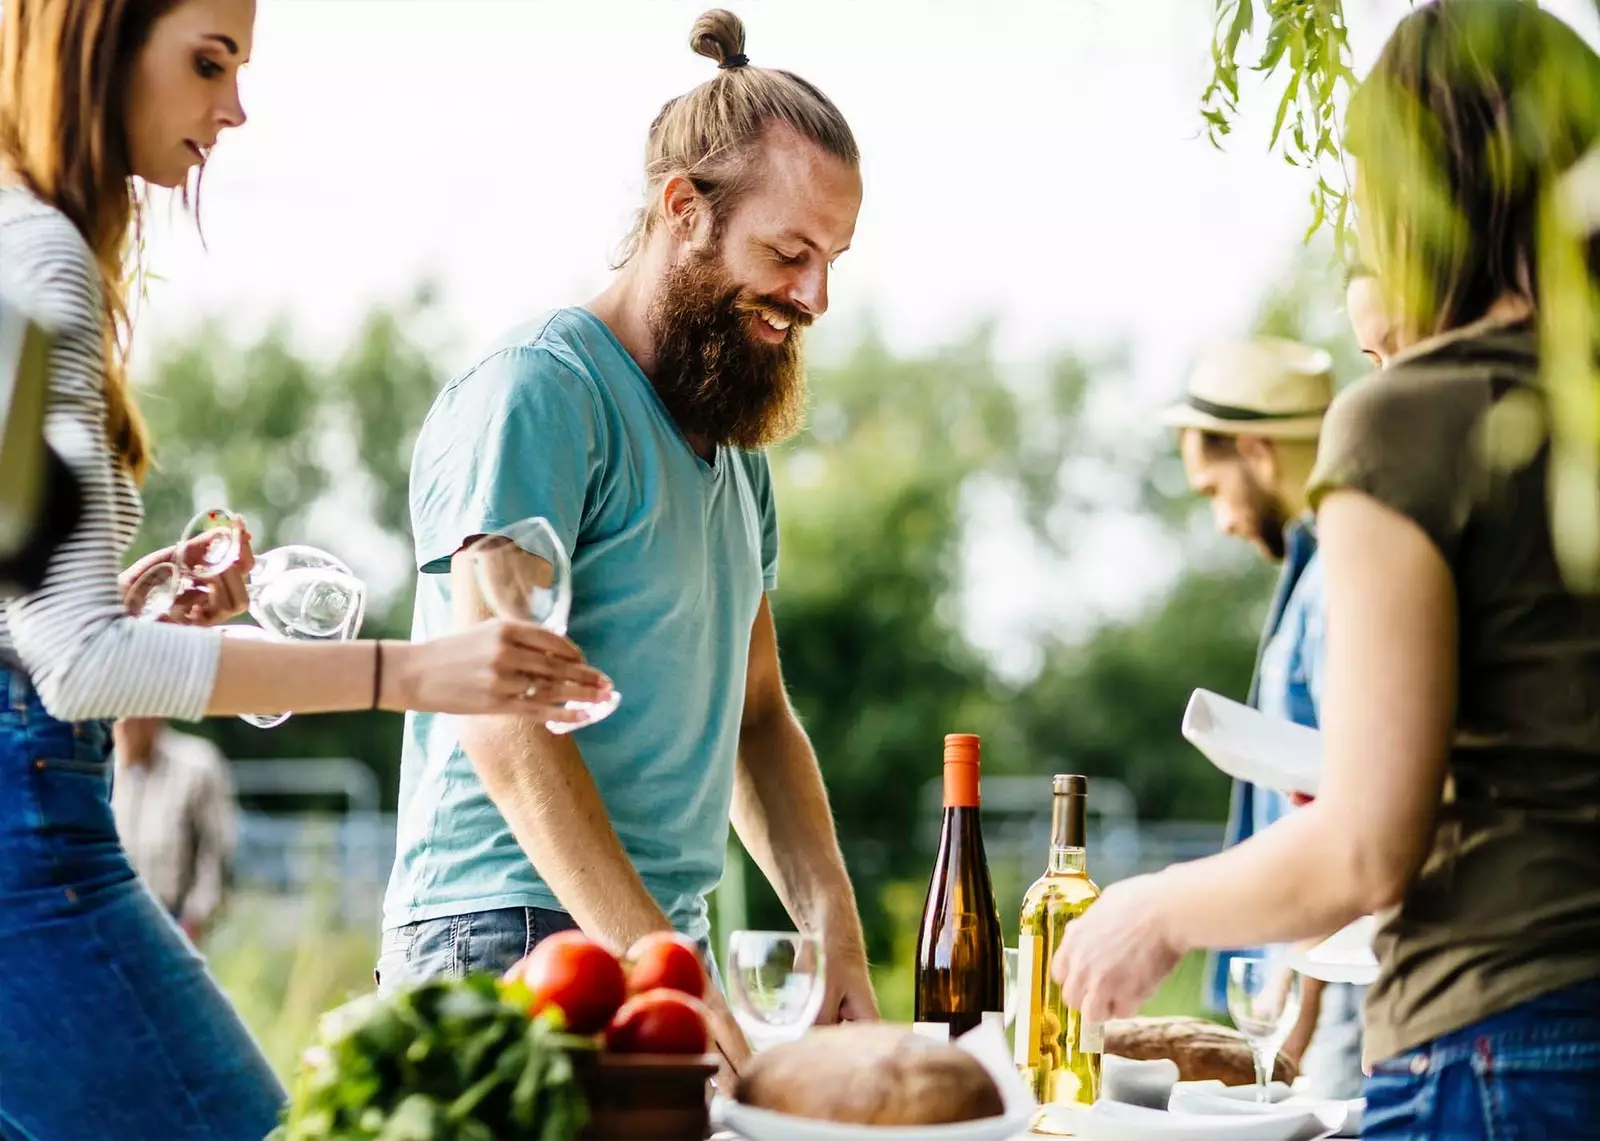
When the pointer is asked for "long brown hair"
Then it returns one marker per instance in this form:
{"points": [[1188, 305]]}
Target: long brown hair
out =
{"points": [[708, 134], [64, 72], [1473, 112]]}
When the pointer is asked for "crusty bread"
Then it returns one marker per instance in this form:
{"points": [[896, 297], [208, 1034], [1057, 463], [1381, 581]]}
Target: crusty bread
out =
{"points": [[868, 1073], [1204, 1051]]}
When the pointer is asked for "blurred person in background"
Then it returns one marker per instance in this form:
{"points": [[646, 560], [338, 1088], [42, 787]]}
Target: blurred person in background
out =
{"points": [[1247, 433], [173, 801], [637, 425], [1460, 799], [112, 1027]]}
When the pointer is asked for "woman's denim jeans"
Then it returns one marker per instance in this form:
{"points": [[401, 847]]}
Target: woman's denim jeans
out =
{"points": [[1531, 1073], [110, 1025]]}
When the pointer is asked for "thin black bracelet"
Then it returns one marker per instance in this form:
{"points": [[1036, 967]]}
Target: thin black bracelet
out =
{"points": [[377, 671]]}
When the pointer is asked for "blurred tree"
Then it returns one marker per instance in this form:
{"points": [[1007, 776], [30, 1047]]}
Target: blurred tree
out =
{"points": [[306, 452], [879, 504]]}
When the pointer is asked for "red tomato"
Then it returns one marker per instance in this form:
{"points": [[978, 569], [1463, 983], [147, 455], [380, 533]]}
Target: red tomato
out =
{"points": [[665, 959], [659, 1022], [572, 972]]}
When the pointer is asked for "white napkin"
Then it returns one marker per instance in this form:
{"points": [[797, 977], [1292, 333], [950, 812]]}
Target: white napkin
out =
{"points": [[1213, 1098], [1148, 1083], [1250, 746]]}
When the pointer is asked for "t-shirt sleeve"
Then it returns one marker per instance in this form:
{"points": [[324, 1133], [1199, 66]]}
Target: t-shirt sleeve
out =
{"points": [[520, 435], [760, 470], [1407, 440]]}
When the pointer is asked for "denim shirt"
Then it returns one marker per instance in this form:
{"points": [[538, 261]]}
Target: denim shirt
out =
{"points": [[1288, 684]]}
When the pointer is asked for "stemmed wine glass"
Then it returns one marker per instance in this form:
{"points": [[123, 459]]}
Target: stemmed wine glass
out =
{"points": [[776, 981], [207, 547], [1264, 1000], [296, 592], [523, 572]]}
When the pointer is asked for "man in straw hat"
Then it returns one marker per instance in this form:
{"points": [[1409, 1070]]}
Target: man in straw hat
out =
{"points": [[1248, 429]]}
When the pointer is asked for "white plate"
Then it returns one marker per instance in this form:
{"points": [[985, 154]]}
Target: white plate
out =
{"points": [[1113, 1121], [1343, 957], [752, 1124], [1251, 746]]}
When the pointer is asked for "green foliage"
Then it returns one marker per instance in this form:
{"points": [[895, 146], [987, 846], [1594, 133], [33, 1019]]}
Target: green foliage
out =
{"points": [[878, 509], [446, 1061], [1308, 41], [308, 452]]}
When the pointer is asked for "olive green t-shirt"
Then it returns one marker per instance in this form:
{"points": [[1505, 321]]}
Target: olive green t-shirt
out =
{"points": [[1507, 904]]}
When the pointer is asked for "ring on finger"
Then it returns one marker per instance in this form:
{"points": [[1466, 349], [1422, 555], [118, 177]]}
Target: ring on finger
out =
{"points": [[531, 691]]}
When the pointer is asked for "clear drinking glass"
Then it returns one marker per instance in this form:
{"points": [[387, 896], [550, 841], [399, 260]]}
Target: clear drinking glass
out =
{"points": [[523, 572], [775, 984], [297, 593], [208, 546], [1264, 1000]]}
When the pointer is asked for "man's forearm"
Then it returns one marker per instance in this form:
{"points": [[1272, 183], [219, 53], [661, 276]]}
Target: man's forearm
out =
{"points": [[542, 787], [781, 812]]}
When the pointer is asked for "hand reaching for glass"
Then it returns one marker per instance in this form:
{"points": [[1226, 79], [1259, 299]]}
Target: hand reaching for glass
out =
{"points": [[499, 666]]}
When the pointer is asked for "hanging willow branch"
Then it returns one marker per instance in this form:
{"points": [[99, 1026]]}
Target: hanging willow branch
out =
{"points": [[1307, 40]]}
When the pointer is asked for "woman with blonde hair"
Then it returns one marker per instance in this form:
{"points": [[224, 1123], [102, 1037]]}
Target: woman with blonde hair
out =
{"points": [[110, 1025], [1460, 795]]}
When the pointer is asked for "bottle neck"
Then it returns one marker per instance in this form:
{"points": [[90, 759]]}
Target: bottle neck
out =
{"points": [[1069, 861], [1067, 842], [960, 786]]}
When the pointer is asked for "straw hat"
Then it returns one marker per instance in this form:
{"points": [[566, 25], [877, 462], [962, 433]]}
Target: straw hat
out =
{"points": [[1264, 386]]}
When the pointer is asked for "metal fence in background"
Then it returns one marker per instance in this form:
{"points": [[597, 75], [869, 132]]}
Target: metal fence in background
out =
{"points": [[341, 859]]}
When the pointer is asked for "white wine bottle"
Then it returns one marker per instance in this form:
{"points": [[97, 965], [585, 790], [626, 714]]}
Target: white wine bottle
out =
{"points": [[1057, 1053], [960, 969]]}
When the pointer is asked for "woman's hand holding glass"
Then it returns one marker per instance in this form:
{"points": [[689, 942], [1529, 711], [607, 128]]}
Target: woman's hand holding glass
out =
{"points": [[201, 580]]}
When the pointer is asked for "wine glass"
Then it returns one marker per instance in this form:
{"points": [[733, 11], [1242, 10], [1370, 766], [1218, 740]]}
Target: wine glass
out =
{"points": [[207, 547], [302, 593], [775, 984], [296, 592], [523, 572], [1264, 1000]]}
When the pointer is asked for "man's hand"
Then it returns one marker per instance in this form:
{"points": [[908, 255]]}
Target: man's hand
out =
{"points": [[729, 1039], [849, 996]]}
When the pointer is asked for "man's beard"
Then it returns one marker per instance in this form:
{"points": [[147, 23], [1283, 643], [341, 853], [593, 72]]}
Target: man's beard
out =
{"points": [[718, 380], [1272, 521]]}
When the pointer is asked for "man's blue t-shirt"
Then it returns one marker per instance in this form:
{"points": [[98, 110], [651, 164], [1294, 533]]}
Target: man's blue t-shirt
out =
{"points": [[671, 555]]}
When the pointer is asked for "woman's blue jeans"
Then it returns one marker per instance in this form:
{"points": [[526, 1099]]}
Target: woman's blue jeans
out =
{"points": [[1531, 1073], [110, 1025]]}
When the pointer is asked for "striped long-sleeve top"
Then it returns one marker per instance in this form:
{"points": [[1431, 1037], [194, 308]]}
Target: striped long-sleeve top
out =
{"points": [[86, 656]]}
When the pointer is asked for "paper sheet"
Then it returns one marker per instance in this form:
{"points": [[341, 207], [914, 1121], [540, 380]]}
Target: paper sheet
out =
{"points": [[1251, 746]]}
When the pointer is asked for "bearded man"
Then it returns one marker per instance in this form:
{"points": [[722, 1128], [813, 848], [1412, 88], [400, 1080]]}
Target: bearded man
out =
{"points": [[635, 425]]}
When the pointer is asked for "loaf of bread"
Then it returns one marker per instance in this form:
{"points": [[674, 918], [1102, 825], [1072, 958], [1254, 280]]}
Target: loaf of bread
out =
{"points": [[1204, 1051], [870, 1074]]}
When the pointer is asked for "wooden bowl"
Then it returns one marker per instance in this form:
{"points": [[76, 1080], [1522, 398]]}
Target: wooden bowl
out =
{"points": [[645, 1097]]}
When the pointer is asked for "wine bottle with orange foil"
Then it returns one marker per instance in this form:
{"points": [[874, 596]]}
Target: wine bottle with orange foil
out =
{"points": [[960, 971]]}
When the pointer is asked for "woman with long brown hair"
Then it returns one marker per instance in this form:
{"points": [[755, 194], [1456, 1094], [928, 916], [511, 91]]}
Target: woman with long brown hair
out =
{"points": [[110, 1025], [1460, 796]]}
